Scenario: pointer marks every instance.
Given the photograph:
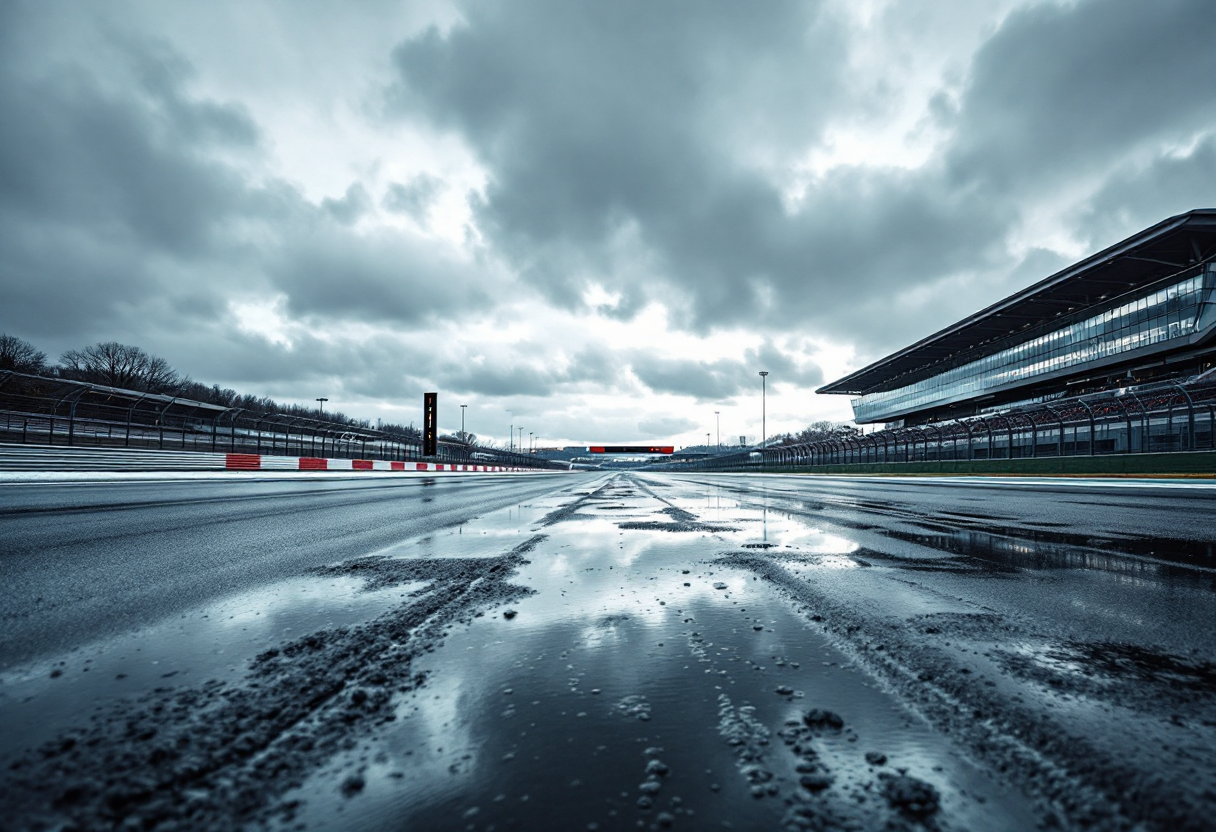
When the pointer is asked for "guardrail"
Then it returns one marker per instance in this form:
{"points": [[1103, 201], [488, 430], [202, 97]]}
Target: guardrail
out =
{"points": [[1167, 417], [33, 458]]}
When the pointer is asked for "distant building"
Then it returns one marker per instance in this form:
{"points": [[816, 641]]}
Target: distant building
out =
{"points": [[1141, 310]]}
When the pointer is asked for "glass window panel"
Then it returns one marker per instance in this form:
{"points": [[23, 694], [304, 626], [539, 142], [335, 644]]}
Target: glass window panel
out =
{"points": [[1162, 315]]}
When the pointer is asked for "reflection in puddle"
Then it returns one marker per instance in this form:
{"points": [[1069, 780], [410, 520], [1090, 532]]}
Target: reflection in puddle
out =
{"points": [[976, 547], [1004, 552], [215, 642], [644, 678], [557, 724], [599, 705]]}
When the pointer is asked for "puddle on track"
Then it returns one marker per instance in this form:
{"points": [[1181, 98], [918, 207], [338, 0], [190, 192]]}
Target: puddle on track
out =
{"points": [[63, 695], [215, 642], [656, 676], [550, 719]]}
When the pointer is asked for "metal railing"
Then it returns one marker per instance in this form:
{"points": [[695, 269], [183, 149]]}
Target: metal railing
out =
{"points": [[1153, 418], [39, 410]]}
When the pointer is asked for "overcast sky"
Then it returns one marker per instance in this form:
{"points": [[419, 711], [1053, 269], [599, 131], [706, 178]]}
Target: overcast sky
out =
{"points": [[597, 220]]}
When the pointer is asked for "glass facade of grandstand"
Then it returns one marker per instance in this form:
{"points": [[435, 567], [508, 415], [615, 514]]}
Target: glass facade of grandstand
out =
{"points": [[1152, 318]]}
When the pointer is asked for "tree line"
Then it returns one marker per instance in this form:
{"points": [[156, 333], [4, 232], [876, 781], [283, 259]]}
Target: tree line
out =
{"points": [[816, 432], [131, 368], [112, 364]]}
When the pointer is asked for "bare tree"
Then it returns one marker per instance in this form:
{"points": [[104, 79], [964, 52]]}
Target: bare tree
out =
{"points": [[20, 356], [118, 365], [409, 432], [818, 432]]}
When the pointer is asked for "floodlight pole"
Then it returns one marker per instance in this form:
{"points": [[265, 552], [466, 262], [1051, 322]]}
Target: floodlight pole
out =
{"points": [[763, 408], [322, 402], [462, 436], [718, 428]]}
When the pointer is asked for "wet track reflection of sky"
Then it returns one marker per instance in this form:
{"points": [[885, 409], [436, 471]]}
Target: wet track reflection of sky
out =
{"points": [[214, 642], [629, 652], [720, 653]]}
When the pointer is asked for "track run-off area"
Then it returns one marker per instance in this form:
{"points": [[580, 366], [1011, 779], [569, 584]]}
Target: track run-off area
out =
{"points": [[606, 651]]}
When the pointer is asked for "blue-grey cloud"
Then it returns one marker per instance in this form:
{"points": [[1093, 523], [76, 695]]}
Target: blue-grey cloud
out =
{"points": [[724, 379], [128, 210], [414, 198], [639, 146], [600, 121]]}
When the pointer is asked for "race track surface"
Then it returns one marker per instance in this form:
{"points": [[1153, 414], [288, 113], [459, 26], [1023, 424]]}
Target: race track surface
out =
{"points": [[608, 651]]}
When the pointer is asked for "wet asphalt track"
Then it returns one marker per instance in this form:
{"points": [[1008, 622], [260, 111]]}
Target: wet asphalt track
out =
{"points": [[608, 652]]}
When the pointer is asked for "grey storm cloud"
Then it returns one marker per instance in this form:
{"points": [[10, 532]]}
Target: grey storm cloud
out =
{"points": [[664, 426], [127, 207], [1143, 194], [384, 277], [353, 205], [706, 381], [1063, 89], [644, 147], [99, 186], [528, 371], [134, 164], [414, 198], [591, 117], [722, 380], [593, 120]]}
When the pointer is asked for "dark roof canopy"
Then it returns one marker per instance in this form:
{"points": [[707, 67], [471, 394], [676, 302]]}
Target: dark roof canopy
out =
{"points": [[1169, 247]]}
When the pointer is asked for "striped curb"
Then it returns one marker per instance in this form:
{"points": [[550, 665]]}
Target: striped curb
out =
{"points": [[59, 458], [263, 462]]}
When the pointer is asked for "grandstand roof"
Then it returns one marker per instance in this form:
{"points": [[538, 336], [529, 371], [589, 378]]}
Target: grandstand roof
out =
{"points": [[1167, 248]]}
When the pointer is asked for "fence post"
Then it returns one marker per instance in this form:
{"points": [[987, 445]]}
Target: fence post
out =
{"points": [[130, 417], [1190, 411], [1127, 413], [967, 427], [160, 421], [1060, 419], [1145, 427], [937, 440], [1089, 412]]}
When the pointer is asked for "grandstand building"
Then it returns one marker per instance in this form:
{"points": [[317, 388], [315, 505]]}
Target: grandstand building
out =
{"points": [[1143, 310]]}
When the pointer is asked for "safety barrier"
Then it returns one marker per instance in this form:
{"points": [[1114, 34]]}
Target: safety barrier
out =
{"points": [[28, 458], [1151, 419], [42, 410]]}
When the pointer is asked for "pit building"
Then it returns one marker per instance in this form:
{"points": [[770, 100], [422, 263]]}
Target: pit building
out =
{"points": [[1142, 310]]}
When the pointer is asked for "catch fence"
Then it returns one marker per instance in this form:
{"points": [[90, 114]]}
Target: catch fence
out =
{"points": [[1175, 416], [41, 410]]}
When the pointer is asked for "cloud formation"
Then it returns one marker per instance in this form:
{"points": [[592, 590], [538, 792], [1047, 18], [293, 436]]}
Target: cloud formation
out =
{"points": [[629, 121], [603, 219]]}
